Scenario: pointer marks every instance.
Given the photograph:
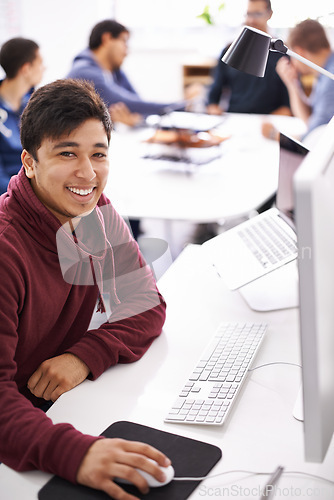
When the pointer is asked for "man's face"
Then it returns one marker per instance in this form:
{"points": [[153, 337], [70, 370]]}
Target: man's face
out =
{"points": [[71, 172], [117, 49], [34, 70], [257, 15], [300, 67]]}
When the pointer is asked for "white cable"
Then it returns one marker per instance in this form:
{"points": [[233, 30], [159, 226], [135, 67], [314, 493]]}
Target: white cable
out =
{"points": [[274, 363], [252, 473]]}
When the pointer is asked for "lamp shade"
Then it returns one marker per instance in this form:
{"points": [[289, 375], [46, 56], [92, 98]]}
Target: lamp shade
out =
{"points": [[249, 51]]}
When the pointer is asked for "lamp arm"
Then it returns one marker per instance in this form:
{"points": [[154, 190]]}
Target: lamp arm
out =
{"points": [[277, 45], [310, 64]]}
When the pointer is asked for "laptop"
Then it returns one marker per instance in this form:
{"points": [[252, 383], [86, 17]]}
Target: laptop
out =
{"points": [[267, 241]]}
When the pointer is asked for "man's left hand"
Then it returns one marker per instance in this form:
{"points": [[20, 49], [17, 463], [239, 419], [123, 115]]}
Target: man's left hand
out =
{"points": [[119, 112], [57, 375]]}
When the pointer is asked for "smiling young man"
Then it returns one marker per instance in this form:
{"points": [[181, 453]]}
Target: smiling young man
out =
{"points": [[64, 249], [51, 170]]}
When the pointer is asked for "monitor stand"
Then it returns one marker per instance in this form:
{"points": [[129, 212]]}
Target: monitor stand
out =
{"points": [[275, 290], [298, 410]]}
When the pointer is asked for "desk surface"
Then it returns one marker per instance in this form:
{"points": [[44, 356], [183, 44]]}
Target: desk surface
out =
{"points": [[242, 179], [261, 432]]}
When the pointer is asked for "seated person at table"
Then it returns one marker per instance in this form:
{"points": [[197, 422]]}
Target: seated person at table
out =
{"points": [[64, 249], [309, 40], [22, 63], [101, 64], [238, 92], [248, 93]]}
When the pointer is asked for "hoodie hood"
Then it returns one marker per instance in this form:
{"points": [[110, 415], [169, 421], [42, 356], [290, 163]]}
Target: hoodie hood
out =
{"points": [[85, 58], [89, 243], [22, 207]]}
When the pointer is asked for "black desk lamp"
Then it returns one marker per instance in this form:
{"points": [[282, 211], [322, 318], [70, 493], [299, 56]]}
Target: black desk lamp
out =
{"points": [[249, 52]]}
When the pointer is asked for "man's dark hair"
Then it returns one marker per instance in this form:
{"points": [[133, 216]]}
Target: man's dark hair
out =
{"points": [[57, 109], [15, 53], [107, 26], [310, 35]]}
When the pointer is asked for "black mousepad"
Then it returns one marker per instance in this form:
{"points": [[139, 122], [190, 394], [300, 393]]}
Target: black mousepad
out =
{"points": [[190, 458]]}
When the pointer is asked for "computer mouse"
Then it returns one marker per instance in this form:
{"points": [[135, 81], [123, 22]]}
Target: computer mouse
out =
{"points": [[151, 481]]}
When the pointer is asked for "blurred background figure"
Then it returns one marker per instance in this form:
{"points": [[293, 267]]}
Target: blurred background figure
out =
{"points": [[238, 92], [315, 106], [22, 63], [309, 40], [101, 64]]}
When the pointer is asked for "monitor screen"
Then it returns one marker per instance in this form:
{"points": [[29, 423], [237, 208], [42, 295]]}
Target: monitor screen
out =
{"points": [[291, 155], [314, 210]]}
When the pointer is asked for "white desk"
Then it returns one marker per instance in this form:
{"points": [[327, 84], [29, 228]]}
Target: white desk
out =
{"points": [[242, 179], [261, 432]]}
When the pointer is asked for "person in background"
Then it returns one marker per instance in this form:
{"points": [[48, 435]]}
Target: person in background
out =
{"points": [[247, 93], [59, 232], [22, 63], [101, 64], [309, 40], [238, 92]]}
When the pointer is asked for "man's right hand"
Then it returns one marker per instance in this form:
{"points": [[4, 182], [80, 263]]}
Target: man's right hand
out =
{"points": [[287, 72], [214, 109], [107, 459]]}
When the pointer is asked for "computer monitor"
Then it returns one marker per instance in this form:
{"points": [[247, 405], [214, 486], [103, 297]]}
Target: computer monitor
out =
{"points": [[291, 156], [314, 207]]}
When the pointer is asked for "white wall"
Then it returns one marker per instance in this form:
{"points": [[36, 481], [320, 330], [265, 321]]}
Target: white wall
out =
{"points": [[62, 28], [159, 44]]}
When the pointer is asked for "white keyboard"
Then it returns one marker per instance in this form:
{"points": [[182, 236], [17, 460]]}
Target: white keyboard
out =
{"points": [[214, 384], [269, 241]]}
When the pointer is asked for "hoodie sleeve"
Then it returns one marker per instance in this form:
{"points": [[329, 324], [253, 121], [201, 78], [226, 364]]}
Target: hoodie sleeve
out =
{"points": [[137, 308], [28, 438]]}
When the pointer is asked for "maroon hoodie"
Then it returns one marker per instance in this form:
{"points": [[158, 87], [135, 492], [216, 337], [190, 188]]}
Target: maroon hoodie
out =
{"points": [[47, 297]]}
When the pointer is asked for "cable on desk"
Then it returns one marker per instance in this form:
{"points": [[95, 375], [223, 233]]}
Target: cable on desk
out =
{"points": [[253, 473], [274, 363], [249, 472]]}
